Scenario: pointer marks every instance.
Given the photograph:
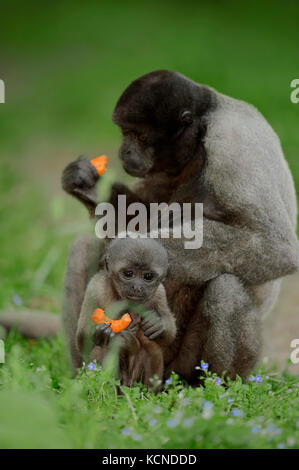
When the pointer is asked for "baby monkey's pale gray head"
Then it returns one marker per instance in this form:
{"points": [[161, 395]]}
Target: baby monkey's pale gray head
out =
{"points": [[136, 267]]}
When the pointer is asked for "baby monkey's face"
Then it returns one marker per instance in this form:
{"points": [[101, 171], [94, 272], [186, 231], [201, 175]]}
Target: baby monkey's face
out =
{"points": [[136, 267], [136, 283]]}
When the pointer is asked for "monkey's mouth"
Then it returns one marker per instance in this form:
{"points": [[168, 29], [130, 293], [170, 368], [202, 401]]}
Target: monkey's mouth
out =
{"points": [[135, 298], [137, 172]]}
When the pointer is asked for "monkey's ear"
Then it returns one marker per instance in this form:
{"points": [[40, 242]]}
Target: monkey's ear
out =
{"points": [[186, 117]]}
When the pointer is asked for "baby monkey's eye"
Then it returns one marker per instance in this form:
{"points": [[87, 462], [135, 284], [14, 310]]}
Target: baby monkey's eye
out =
{"points": [[148, 276], [128, 274]]}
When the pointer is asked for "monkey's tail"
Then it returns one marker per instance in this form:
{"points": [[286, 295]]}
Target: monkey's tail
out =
{"points": [[31, 324]]}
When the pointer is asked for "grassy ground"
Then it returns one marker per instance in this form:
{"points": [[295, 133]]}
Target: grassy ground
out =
{"points": [[41, 406], [64, 67]]}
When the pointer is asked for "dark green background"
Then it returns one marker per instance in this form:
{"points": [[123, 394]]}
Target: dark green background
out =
{"points": [[66, 63]]}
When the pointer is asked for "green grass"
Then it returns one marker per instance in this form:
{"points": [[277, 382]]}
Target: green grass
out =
{"points": [[64, 67], [42, 407]]}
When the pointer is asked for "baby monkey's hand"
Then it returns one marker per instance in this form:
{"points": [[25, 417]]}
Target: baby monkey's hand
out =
{"points": [[152, 325], [103, 334]]}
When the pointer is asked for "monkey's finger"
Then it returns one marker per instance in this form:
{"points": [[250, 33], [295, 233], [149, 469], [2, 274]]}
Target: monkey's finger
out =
{"points": [[103, 334], [153, 330], [156, 334], [146, 324], [103, 328]]}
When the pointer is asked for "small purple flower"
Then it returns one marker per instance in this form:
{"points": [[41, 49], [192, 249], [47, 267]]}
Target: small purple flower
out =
{"points": [[187, 423], [290, 390], [173, 422], [236, 412], [137, 437], [204, 365], [197, 367], [257, 378], [207, 404], [255, 429], [91, 366], [153, 422], [157, 410], [168, 381], [230, 400], [218, 381], [270, 392], [126, 431]]}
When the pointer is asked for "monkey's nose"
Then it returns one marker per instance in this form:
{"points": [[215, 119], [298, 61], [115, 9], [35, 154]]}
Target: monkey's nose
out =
{"points": [[137, 289]]}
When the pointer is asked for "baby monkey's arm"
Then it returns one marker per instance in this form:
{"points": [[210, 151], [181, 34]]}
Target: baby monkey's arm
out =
{"points": [[95, 296], [158, 323]]}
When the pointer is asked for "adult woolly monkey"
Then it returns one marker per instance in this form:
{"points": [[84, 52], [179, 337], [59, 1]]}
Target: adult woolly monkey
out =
{"points": [[190, 143]]}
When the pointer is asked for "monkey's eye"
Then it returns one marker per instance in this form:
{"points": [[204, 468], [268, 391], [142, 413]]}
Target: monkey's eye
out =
{"points": [[148, 276], [128, 274]]}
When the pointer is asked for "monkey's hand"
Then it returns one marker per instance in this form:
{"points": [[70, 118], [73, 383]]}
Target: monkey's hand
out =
{"points": [[152, 325], [103, 334], [79, 179], [126, 338]]}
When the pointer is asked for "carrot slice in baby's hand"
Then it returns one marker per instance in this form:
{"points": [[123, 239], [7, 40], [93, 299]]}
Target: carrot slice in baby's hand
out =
{"points": [[99, 316], [120, 325], [116, 325], [100, 164]]}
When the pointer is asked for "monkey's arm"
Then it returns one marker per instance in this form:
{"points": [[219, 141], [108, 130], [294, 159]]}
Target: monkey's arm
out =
{"points": [[95, 297], [79, 179], [254, 255], [159, 323]]}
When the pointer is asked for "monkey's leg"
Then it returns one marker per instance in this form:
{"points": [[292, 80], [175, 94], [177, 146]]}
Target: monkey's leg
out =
{"points": [[153, 366], [82, 263], [230, 339]]}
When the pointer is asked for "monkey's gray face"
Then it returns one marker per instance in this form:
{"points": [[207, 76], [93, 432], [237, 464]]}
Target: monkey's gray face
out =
{"points": [[136, 285], [136, 154]]}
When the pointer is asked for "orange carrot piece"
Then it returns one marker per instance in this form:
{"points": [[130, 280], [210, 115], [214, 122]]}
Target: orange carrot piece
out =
{"points": [[99, 316], [116, 325], [100, 163]]}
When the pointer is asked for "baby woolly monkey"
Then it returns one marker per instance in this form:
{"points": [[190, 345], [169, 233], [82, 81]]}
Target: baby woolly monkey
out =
{"points": [[134, 271]]}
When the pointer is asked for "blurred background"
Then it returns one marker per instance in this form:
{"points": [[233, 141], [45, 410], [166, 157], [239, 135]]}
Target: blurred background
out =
{"points": [[65, 64]]}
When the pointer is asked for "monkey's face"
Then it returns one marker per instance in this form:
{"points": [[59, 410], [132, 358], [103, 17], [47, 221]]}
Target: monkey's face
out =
{"points": [[136, 267], [158, 122], [136, 283], [137, 151]]}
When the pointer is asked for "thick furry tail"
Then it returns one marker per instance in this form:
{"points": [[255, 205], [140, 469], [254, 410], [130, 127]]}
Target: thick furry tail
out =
{"points": [[31, 324]]}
